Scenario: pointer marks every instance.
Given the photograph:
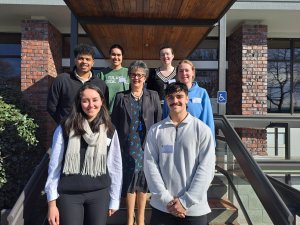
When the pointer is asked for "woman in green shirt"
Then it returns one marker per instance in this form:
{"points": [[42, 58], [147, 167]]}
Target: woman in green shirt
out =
{"points": [[115, 76]]}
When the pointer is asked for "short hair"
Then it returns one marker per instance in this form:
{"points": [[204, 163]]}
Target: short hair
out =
{"points": [[137, 65], [166, 46], [84, 49], [116, 46], [186, 61], [175, 88]]}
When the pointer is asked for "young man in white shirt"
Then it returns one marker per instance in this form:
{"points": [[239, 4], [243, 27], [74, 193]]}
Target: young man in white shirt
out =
{"points": [[179, 164]]}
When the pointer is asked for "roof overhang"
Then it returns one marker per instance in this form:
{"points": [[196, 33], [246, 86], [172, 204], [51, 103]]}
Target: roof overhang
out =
{"points": [[142, 27]]}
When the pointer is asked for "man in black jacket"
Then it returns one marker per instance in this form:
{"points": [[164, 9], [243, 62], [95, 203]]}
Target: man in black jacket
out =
{"points": [[65, 86]]}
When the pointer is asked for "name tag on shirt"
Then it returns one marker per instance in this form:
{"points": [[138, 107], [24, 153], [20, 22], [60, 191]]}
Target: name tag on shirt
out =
{"points": [[171, 81], [196, 100], [167, 148], [122, 80], [108, 140]]}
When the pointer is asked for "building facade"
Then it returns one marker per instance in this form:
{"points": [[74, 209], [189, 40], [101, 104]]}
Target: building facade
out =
{"points": [[257, 41]]}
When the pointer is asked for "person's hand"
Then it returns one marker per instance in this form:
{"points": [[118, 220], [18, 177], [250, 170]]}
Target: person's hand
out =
{"points": [[53, 213], [175, 208], [111, 212]]}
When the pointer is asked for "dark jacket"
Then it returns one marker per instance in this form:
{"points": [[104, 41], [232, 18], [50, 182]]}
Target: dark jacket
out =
{"points": [[120, 116], [62, 93]]}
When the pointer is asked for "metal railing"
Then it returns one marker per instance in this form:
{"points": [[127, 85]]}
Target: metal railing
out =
{"points": [[290, 196], [256, 121], [268, 196], [230, 182], [285, 121], [21, 212]]}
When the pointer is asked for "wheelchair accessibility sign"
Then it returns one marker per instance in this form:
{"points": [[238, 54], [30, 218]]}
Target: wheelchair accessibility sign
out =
{"points": [[222, 97]]}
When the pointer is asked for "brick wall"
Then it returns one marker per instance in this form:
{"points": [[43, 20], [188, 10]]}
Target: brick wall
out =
{"points": [[255, 140], [41, 47], [247, 80], [234, 81]]}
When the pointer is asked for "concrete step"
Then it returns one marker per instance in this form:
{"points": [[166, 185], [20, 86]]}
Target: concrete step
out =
{"points": [[223, 212], [218, 187]]}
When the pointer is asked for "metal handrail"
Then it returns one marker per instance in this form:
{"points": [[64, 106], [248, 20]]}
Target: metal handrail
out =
{"points": [[281, 166], [270, 199], [230, 182], [258, 121], [290, 195], [36, 181]]}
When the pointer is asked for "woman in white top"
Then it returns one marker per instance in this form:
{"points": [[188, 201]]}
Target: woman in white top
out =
{"points": [[164, 74], [85, 169]]}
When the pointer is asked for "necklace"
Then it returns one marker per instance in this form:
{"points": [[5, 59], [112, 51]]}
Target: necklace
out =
{"points": [[137, 97], [180, 121]]}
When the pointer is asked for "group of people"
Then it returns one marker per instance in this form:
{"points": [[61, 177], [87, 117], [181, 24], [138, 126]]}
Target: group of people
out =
{"points": [[127, 133]]}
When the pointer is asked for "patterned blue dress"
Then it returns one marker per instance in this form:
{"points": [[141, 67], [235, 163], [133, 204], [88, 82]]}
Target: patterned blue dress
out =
{"points": [[134, 178]]}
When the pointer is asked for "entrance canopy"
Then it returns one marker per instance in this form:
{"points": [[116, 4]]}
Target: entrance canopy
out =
{"points": [[142, 27]]}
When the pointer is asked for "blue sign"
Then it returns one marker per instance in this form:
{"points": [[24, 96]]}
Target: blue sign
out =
{"points": [[222, 97]]}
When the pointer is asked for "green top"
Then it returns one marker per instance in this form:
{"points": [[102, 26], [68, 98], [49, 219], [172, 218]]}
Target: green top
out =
{"points": [[116, 80]]}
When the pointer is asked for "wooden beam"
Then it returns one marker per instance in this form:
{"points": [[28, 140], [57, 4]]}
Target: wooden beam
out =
{"points": [[146, 21]]}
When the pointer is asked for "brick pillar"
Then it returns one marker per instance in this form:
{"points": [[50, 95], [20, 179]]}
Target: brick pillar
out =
{"points": [[247, 81], [41, 52]]}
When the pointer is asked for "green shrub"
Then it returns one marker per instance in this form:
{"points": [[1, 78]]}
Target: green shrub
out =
{"points": [[10, 116], [19, 148]]}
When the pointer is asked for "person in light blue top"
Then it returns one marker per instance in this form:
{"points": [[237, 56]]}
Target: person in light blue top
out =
{"points": [[199, 104]]}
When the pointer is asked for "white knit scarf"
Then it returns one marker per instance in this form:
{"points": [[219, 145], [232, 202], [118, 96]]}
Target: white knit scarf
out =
{"points": [[95, 156]]}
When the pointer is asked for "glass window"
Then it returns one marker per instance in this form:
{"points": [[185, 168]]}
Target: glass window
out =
{"points": [[279, 54], [207, 50], [10, 50], [283, 76], [297, 51], [10, 67], [10, 58], [204, 54], [279, 50], [279, 88], [296, 87], [208, 79]]}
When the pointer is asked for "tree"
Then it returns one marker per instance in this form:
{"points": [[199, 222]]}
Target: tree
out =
{"points": [[279, 81]]}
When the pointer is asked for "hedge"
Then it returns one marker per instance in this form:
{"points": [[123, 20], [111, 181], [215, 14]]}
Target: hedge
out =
{"points": [[20, 151]]}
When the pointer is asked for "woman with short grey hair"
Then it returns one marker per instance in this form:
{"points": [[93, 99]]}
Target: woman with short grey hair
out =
{"points": [[136, 65], [133, 113]]}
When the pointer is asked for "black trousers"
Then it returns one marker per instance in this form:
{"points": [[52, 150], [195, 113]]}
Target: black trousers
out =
{"points": [[161, 218], [88, 208]]}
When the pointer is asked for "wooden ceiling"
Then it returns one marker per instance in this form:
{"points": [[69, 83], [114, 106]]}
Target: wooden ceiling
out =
{"points": [[142, 27]]}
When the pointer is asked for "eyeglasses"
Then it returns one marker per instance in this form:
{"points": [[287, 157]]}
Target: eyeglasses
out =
{"points": [[138, 75]]}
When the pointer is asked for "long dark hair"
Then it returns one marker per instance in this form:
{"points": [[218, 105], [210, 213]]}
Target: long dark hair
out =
{"points": [[76, 118]]}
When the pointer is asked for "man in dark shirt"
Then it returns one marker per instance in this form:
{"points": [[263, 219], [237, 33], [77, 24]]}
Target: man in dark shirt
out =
{"points": [[65, 86]]}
